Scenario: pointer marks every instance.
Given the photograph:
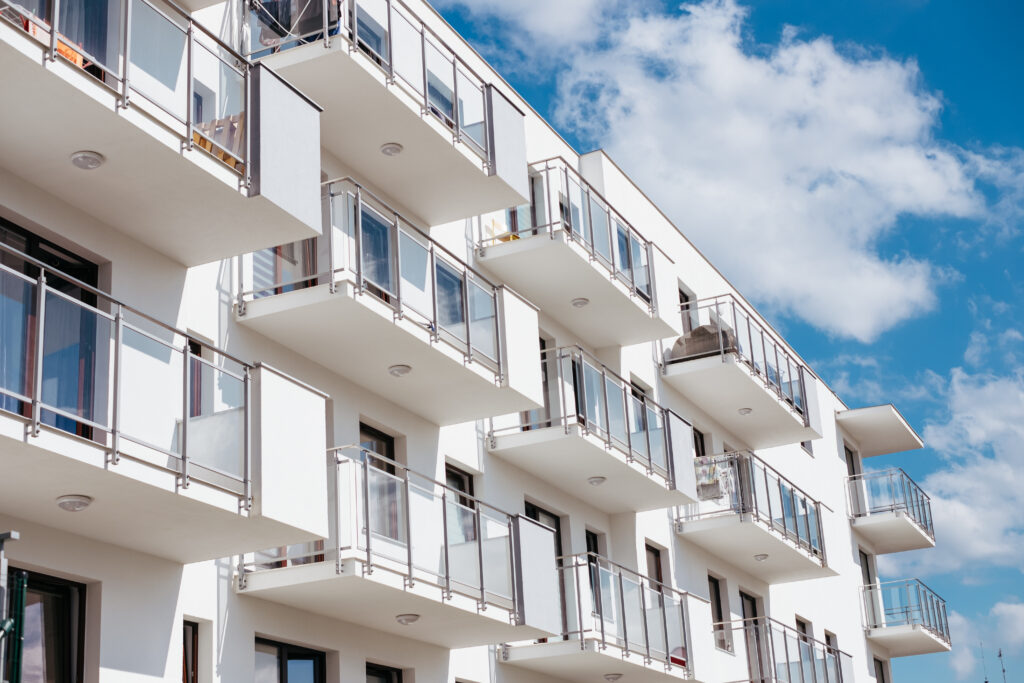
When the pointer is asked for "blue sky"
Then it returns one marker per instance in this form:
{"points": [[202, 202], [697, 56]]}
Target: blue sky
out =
{"points": [[869, 156]]}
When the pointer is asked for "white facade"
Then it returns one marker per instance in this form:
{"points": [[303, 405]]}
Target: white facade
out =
{"points": [[215, 396]]}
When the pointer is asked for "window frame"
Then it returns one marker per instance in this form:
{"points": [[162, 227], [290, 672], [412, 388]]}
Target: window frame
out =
{"points": [[383, 670], [318, 657], [74, 596]]}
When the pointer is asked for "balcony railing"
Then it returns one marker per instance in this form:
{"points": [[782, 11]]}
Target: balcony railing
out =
{"points": [[621, 608], [580, 391], [777, 653], [891, 490], [187, 78], [562, 200], [722, 325], [905, 603], [393, 261], [743, 484], [410, 55], [76, 360], [399, 521]]}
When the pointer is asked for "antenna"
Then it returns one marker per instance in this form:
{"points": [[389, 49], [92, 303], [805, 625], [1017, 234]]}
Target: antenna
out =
{"points": [[1002, 664], [984, 668]]}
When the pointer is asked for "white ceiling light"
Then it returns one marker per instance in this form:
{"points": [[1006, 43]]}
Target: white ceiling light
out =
{"points": [[745, 411], [580, 301], [597, 481], [400, 370], [761, 557], [74, 502], [406, 619], [391, 149], [612, 677], [87, 160]]}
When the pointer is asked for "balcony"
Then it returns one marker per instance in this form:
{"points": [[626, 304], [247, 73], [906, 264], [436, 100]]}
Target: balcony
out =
{"points": [[192, 136], [878, 430], [574, 256], [754, 518], [771, 652], [740, 374], [383, 77], [906, 618], [378, 301], [186, 452], [891, 511], [410, 556], [614, 621], [617, 450]]}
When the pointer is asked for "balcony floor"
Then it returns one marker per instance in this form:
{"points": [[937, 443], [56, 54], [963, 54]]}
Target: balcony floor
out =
{"points": [[437, 180], [721, 387], [357, 336], [553, 272], [183, 203], [580, 456], [566, 660], [907, 640], [736, 539], [135, 505], [892, 532], [374, 600]]}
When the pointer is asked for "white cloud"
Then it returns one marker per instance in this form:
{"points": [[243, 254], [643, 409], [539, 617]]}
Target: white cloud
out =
{"points": [[1009, 619], [963, 635]]}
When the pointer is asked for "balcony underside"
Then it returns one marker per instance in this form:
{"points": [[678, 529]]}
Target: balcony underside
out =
{"points": [[566, 660], [552, 272], [357, 336], [136, 504], [736, 539], [183, 203], [892, 532], [907, 640], [374, 600], [437, 180], [722, 386], [569, 460]]}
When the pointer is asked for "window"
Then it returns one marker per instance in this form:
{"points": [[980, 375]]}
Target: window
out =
{"points": [[375, 673], [881, 676], [699, 444], [653, 564], [830, 641], [380, 444], [807, 446], [723, 641], [851, 460], [688, 310], [190, 652], [461, 481], [283, 663], [51, 628]]}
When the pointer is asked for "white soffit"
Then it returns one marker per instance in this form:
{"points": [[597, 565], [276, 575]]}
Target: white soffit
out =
{"points": [[879, 430]]}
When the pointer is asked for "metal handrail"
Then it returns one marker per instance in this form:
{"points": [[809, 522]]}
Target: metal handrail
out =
{"points": [[747, 499], [118, 326], [779, 652], [570, 399], [918, 605], [903, 494]]}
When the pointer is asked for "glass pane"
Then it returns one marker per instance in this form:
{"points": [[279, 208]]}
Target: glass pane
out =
{"points": [[408, 49], [440, 83], [471, 110], [151, 416], [611, 605], [638, 427], [602, 237], [302, 671], [578, 216], [218, 101], [371, 28], [483, 320], [595, 403], [159, 59], [634, 617], [17, 314], [655, 625], [387, 514], [76, 361], [462, 546], [623, 263], [426, 530], [616, 411], [417, 292], [656, 432], [451, 314], [216, 426], [267, 664], [378, 258], [641, 274], [494, 533], [293, 263], [677, 653], [46, 645], [92, 30]]}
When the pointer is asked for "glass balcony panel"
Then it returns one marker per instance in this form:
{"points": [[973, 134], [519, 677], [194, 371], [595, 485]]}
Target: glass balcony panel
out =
{"points": [[641, 268], [495, 538], [802, 530], [577, 217], [638, 427], [472, 121], [218, 99], [814, 526], [451, 307], [76, 362], [216, 419], [378, 255], [635, 619], [674, 625], [462, 543], [371, 29], [611, 606], [483, 318], [440, 83], [807, 662], [283, 269], [655, 622], [17, 319], [623, 261], [387, 508], [407, 46], [417, 287], [159, 58], [601, 231], [594, 399], [616, 411], [93, 29], [788, 520], [658, 439], [426, 531]]}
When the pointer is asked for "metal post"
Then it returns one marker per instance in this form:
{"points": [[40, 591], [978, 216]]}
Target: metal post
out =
{"points": [[398, 267], [664, 626], [607, 417], [37, 385], [480, 557], [410, 579], [326, 36], [329, 233], [643, 621], [423, 61], [4, 537], [579, 601], [432, 258], [358, 214], [115, 419], [466, 311], [189, 113], [647, 434], [599, 598], [247, 133], [444, 533], [366, 511], [559, 362], [622, 611], [186, 411], [54, 29], [127, 50], [455, 99], [247, 440]]}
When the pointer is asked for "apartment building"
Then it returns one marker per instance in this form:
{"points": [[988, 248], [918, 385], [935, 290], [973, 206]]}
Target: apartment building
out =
{"points": [[325, 359]]}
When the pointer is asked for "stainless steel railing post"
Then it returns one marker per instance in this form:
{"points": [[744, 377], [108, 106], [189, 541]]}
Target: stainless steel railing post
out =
{"points": [[115, 419], [37, 383], [186, 410]]}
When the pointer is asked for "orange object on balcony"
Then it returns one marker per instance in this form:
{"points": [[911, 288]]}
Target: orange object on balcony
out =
{"points": [[63, 49]]}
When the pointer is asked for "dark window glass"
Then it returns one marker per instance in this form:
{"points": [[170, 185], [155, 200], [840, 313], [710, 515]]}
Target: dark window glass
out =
{"points": [[190, 652], [379, 443], [699, 445], [807, 446], [460, 481], [653, 564], [283, 663], [851, 460], [880, 674], [376, 673], [50, 623]]}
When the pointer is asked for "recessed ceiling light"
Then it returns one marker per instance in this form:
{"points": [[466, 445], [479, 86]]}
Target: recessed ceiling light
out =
{"points": [[745, 411], [406, 619], [74, 502], [612, 677], [597, 481], [400, 370], [580, 301], [87, 160], [761, 557], [391, 149]]}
